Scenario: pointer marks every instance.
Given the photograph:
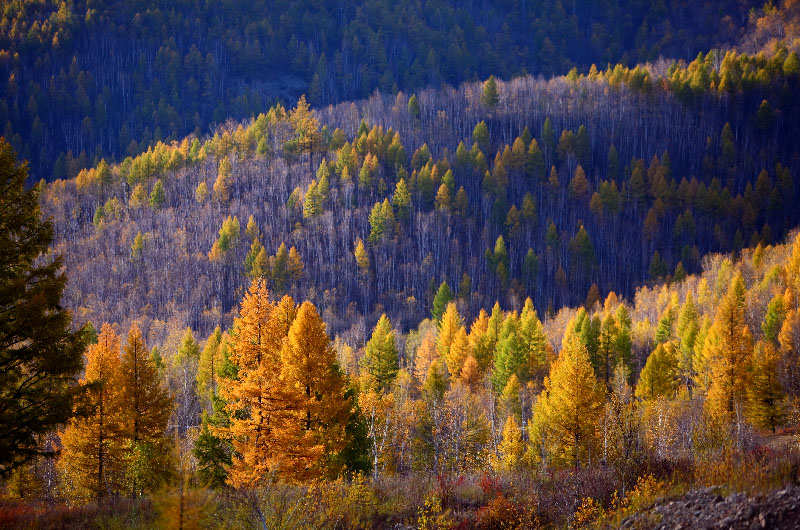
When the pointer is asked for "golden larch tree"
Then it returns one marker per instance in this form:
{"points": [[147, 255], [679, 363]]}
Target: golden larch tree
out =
{"points": [[448, 327], [458, 352], [316, 401], [728, 351], [255, 398], [146, 406], [566, 414], [92, 454], [765, 403], [425, 356]]}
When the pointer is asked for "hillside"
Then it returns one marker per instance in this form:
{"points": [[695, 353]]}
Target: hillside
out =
{"points": [[431, 265], [91, 79], [529, 195]]}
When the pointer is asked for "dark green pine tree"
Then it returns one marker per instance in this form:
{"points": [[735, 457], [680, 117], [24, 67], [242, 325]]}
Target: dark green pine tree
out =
{"points": [[380, 355], [40, 356], [212, 452], [443, 297], [413, 107], [490, 95], [158, 196], [773, 319]]}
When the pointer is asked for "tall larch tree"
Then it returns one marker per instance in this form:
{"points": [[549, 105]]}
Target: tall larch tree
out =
{"points": [[380, 359], [566, 414], [729, 349], [449, 326], [534, 342], [687, 329], [624, 342], [318, 407], [765, 396], [789, 340], [607, 347], [255, 396], [306, 129], [147, 406], [793, 270], [92, 455], [511, 449], [458, 352], [659, 377], [425, 356], [210, 364]]}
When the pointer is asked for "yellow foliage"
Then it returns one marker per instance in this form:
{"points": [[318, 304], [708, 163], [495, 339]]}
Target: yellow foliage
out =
{"points": [[728, 349], [458, 352], [511, 449], [92, 458], [566, 414], [426, 355]]}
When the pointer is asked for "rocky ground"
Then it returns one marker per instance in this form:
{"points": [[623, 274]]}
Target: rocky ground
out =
{"points": [[708, 509]]}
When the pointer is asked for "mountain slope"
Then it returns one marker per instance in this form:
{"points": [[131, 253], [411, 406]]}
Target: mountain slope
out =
{"points": [[697, 165], [104, 78]]}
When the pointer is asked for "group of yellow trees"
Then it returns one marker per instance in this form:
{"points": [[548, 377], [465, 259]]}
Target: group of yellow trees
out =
{"points": [[283, 399], [287, 403], [494, 396], [498, 396], [121, 446]]}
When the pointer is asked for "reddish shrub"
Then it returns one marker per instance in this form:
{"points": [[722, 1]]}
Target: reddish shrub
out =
{"points": [[500, 513]]}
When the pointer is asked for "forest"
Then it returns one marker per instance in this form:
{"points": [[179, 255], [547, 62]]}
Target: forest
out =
{"points": [[398, 265], [91, 79]]}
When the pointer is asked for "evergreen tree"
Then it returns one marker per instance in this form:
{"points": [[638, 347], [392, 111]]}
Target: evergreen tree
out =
{"points": [[40, 356], [213, 453], [380, 354], [490, 96], [510, 358], [624, 342], [534, 163], [607, 347], [443, 297], [773, 319], [509, 398], [158, 196], [413, 107], [480, 135], [533, 339], [664, 332]]}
